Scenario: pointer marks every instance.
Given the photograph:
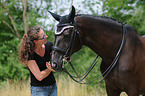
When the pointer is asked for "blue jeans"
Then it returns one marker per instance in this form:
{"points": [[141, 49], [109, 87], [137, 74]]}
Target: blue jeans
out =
{"points": [[44, 90]]}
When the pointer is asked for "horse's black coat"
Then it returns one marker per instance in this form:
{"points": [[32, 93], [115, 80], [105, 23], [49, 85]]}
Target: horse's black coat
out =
{"points": [[103, 35]]}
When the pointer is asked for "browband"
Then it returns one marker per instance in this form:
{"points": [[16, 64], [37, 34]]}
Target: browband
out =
{"points": [[60, 32]]}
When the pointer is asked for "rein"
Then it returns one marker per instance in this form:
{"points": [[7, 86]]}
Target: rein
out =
{"points": [[82, 77]]}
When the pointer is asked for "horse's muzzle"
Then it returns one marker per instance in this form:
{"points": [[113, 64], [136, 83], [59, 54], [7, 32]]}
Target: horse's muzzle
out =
{"points": [[54, 65], [57, 66]]}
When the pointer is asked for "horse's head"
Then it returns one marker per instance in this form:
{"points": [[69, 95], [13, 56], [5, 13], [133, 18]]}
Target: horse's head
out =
{"points": [[65, 40]]}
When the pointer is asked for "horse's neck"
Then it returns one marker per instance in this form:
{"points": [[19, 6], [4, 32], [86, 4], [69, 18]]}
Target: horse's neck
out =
{"points": [[104, 41]]}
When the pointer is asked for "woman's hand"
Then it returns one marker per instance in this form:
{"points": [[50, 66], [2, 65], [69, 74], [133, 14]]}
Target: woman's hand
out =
{"points": [[48, 65]]}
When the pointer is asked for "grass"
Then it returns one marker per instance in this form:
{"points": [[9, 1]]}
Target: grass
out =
{"points": [[15, 88], [66, 87]]}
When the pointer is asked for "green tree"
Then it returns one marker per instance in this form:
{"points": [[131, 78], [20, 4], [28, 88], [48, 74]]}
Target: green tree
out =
{"points": [[122, 10], [131, 11], [138, 20], [16, 16]]}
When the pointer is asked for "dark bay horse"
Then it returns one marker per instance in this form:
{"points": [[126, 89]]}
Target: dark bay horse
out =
{"points": [[104, 36]]}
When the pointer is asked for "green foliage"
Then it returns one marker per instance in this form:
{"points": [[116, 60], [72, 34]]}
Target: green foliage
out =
{"points": [[131, 11], [138, 20], [9, 65], [122, 9]]}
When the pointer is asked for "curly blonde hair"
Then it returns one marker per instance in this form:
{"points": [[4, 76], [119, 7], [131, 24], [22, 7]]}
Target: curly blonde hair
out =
{"points": [[27, 44]]}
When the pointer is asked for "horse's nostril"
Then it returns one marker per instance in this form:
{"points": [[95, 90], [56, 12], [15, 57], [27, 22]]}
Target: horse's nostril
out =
{"points": [[54, 65]]}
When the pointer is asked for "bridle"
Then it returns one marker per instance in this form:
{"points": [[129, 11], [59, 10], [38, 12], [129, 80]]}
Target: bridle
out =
{"points": [[68, 50]]}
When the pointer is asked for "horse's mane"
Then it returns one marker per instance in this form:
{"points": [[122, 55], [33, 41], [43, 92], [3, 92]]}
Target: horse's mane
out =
{"points": [[103, 17]]}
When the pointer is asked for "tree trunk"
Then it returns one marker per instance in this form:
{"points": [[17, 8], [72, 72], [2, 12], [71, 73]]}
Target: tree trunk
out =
{"points": [[25, 16]]}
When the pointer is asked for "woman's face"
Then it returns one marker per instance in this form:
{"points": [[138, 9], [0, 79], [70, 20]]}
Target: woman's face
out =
{"points": [[42, 37]]}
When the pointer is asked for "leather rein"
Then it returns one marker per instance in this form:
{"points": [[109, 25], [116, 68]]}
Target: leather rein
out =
{"points": [[67, 53]]}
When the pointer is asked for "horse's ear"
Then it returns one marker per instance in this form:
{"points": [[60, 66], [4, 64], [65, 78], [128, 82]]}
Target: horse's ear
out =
{"points": [[55, 16], [71, 15]]}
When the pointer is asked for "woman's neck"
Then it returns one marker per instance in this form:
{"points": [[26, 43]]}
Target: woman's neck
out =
{"points": [[39, 48]]}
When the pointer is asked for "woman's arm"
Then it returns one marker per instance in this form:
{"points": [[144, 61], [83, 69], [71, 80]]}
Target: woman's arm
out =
{"points": [[40, 75]]}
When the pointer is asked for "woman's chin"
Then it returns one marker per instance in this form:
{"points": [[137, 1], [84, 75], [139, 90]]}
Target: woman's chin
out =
{"points": [[45, 42]]}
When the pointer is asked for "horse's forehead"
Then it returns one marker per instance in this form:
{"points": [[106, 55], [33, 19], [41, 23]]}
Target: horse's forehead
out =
{"points": [[62, 25], [63, 20]]}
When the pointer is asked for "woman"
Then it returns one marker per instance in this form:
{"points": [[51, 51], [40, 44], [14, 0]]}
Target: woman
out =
{"points": [[35, 52]]}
